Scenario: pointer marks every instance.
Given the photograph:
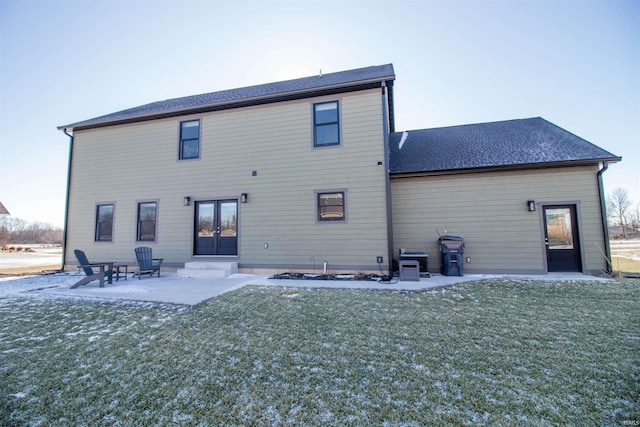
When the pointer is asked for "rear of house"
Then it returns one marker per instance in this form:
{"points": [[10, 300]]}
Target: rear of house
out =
{"points": [[279, 177], [291, 175]]}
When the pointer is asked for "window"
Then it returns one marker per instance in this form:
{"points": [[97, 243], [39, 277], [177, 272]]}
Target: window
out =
{"points": [[190, 139], [104, 223], [326, 124], [331, 206], [147, 214]]}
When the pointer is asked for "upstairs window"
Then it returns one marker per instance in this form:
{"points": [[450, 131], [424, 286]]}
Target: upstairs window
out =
{"points": [[326, 124], [104, 223], [331, 206], [147, 220], [190, 139]]}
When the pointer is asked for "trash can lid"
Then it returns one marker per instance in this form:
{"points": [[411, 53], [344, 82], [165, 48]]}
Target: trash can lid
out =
{"points": [[451, 238]]}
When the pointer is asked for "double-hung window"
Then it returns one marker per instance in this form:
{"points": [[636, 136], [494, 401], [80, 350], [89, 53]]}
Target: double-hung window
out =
{"points": [[326, 124], [147, 220], [104, 223], [331, 206], [190, 139]]}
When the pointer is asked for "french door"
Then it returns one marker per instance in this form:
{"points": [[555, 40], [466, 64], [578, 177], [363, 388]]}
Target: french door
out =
{"points": [[216, 227], [561, 239]]}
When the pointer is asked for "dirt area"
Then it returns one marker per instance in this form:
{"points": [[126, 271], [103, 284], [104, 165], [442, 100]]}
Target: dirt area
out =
{"points": [[28, 271], [36, 259]]}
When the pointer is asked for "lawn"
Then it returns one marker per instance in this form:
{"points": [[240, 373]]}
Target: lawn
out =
{"points": [[490, 352], [625, 265]]}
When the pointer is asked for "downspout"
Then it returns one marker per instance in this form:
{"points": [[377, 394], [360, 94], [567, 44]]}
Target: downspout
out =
{"points": [[385, 125], [603, 213], [66, 204]]}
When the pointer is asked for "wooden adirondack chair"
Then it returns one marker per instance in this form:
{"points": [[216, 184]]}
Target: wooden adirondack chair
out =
{"points": [[147, 264], [94, 271]]}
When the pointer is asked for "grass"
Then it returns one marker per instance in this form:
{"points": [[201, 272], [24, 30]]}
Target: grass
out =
{"points": [[625, 264], [491, 352]]}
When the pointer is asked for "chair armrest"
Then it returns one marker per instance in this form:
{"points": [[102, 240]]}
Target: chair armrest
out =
{"points": [[103, 267]]}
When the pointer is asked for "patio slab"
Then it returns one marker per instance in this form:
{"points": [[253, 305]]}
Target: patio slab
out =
{"points": [[173, 289], [169, 288]]}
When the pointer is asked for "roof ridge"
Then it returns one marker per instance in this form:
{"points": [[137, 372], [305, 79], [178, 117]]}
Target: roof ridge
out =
{"points": [[299, 85], [325, 75], [476, 124]]}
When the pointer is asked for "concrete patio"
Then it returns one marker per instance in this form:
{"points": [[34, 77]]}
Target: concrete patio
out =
{"points": [[173, 289]]}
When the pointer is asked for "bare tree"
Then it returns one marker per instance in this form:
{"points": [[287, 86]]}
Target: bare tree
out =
{"points": [[16, 230], [619, 205], [635, 220]]}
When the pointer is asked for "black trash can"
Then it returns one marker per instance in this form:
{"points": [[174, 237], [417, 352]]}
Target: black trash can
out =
{"points": [[452, 249]]}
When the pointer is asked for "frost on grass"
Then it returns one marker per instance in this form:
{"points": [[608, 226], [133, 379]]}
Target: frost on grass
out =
{"points": [[493, 352]]}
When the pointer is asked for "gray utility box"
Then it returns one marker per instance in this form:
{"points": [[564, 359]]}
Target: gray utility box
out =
{"points": [[421, 257], [452, 249], [409, 270]]}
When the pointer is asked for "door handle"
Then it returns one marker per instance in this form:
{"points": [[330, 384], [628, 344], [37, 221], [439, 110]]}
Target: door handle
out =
{"points": [[546, 241]]}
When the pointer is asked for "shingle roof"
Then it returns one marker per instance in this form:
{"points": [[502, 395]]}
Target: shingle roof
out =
{"points": [[244, 96], [507, 144], [3, 210]]}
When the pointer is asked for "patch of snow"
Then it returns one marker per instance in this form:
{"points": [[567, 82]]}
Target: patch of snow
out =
{"points": [[296, 295], [179, 417], [404, 137], [241, 276], [418, 367]]}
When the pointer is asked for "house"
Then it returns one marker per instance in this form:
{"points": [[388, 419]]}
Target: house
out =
{"points": [[526, 195], [304, 173], [3, 210]]}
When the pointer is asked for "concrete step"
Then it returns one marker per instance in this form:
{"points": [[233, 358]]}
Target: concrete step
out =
{"points": [[208, 269]]}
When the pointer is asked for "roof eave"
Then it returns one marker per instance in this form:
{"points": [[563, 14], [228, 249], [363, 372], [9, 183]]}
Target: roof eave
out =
{"points": [[526, 166], [296, 94]]}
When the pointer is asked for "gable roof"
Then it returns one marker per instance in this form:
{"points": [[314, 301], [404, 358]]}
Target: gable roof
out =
{"points": [[511, 144], [342, 81], [3, 210]]}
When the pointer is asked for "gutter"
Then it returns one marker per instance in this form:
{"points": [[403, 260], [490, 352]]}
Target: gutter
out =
{"points": [[387, 155], [603, 213], [501, 168], [66, 203]]}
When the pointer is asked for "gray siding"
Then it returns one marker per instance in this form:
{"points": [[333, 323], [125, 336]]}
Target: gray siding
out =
{"points": [[489, 211], [130, 163]]}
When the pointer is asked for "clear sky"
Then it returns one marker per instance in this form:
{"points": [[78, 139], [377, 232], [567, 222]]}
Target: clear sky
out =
{"points": [[575, 63]]}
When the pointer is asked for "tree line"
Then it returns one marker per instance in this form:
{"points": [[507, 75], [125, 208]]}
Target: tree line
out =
{"points": [[18, 231], [622, 216]]}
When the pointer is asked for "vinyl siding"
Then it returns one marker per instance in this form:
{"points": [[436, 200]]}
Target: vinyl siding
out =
{"points": [[489, 211], [138, 162]]}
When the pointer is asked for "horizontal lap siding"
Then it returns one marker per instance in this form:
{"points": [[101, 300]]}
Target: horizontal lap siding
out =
{"points": [[125, 165], [281, 211], [489, 211], [130, 163]]}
